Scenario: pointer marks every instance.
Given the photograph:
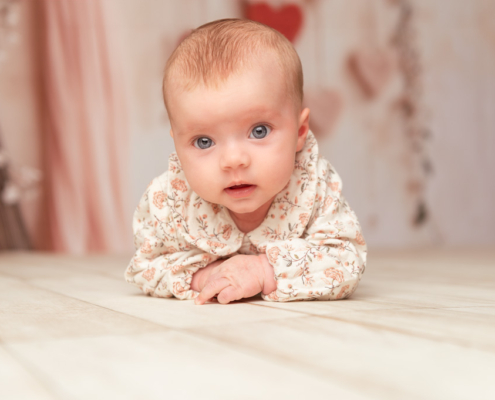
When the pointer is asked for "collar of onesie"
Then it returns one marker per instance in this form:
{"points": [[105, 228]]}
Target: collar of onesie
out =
{"points": [[210, 227]]}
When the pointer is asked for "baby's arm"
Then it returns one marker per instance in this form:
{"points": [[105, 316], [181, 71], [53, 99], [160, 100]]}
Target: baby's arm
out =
{"points": [[327, 261], [236, 278], [160, 266]]}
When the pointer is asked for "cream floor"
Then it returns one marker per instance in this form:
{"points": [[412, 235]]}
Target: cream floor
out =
{"points": [[420, 326]]}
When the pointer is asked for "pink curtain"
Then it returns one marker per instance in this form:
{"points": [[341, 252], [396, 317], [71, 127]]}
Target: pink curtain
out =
{"points": [[86, 130]]}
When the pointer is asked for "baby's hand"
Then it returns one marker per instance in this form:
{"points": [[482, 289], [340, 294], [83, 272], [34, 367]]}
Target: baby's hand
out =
{"points": [[236, 278]]}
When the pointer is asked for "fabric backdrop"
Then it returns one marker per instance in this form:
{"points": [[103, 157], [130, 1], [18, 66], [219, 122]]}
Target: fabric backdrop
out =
{"points": [[86, 129]]}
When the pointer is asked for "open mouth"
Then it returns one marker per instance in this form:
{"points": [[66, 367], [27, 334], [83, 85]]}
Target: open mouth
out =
{"points": [[239, 186], [242, 190]]}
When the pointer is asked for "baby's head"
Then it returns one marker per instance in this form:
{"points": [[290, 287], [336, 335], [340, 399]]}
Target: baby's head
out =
{"points": [[233, 91], [217, 50]]}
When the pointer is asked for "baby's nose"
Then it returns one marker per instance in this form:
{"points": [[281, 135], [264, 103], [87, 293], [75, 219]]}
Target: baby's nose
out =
{"points": [[235, 157]]}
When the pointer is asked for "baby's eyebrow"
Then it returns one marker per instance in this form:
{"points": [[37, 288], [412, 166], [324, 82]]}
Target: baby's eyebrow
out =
{"points": [[195, 129], [262, 111], [194, 126]]}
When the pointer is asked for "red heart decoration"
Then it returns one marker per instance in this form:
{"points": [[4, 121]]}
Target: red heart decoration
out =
{"points": [[372, 68], [287, 19], [325, 108]]}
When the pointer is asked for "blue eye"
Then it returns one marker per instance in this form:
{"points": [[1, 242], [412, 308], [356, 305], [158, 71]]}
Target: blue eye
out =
{"points": [[260, 131], [203, 143]]}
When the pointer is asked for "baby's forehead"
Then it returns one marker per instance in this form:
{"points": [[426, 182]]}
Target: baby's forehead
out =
{"points": [[246, 85], [241, 99]]}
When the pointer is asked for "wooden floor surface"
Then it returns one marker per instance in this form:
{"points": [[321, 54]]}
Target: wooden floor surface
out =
{"points": [[420, 326]]}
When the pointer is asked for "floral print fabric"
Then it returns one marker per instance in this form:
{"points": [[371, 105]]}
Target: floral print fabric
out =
{"points": [[310, 235]]}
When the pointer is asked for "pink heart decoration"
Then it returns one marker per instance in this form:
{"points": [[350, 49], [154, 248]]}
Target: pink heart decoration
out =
{"points": [[287, 19], [326, 106], [372, 68]]}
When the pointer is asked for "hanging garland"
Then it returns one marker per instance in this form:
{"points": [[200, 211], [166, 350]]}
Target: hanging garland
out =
{"points": [[372, 67], [409, 106]]}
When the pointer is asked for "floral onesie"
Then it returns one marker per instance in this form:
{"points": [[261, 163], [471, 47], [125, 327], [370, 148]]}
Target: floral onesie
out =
{"points": [[310, 235]]}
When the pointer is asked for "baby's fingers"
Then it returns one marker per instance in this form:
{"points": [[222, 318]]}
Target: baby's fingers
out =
{"points": [[212, 288], [230, 293]]}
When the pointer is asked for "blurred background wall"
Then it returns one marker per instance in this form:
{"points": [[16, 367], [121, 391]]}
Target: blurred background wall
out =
{"points": [[401, 92]]}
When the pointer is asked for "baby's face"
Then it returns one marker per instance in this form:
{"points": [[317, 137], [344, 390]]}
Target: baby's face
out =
{"points": [[237, 144]]}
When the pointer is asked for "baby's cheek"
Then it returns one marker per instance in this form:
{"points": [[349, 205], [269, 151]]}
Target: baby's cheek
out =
{"points": [[205, 190], [199, 179], [280, 168]]}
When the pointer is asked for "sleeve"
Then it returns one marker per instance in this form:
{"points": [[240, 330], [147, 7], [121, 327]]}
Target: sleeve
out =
{"points": [[163, 265], [327, 262]]}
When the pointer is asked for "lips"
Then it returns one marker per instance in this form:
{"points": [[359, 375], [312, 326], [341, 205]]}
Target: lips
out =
{"points": [[240, 189], [239, 186]]}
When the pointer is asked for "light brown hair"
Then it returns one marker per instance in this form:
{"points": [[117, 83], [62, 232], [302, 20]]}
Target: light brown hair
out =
{"points": [[218, 49]]}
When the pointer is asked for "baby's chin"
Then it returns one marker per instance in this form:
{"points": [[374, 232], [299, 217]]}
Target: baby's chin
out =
{"points": [[253, 209], [241, 209]]}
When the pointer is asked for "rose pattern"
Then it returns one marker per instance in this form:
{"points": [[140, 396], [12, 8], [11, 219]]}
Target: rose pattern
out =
{"points": [[176, 268], [343, 292], [335, 274], [227, 231], [360, 239], [328, 203], [159, 199], [149, 274], [179, 184], [310, 235], [178, 289], [214, 245], [272, 254], [146, 247], [304, 218]]}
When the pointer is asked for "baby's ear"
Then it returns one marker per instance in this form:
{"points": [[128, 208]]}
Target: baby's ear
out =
{"points": [[303, 129]]}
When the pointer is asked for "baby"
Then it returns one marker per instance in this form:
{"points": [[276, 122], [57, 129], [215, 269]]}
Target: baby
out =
{"points": [[247, 204]]}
